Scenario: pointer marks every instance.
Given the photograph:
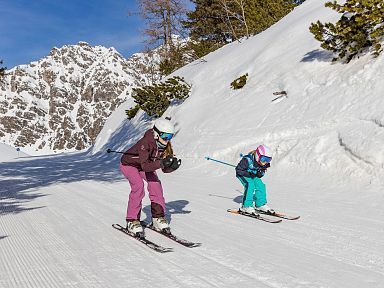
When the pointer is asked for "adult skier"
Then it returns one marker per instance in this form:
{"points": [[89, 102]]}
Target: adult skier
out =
{"points": [[249, 171], [139, 163]]}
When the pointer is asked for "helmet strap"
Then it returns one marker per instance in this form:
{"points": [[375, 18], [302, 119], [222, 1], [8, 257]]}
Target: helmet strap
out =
{"points": [[160, 145]]}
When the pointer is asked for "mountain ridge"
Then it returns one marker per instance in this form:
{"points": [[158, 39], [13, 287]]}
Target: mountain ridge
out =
{"points": [[61, 102]]}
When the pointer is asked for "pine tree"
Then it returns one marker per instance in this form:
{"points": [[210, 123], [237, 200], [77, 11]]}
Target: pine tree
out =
{"points": [[361, 28], [207, 27], [214, 23], [2, 69], [177, 58], [155, 99], [239, 82], [263, 14]]}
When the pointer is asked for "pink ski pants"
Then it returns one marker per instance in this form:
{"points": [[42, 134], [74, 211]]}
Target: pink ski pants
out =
{"points": [[136, 179]]}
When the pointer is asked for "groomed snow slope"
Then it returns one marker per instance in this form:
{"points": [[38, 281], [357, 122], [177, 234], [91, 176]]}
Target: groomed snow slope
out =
{"points": [[327, 136], [8, 153]]}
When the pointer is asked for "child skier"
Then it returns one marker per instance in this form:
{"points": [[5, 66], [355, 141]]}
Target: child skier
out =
{"points": [[140, 162], [249, 171]]}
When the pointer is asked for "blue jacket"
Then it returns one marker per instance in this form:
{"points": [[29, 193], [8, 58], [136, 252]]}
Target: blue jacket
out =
{"points": [[248, 167]]}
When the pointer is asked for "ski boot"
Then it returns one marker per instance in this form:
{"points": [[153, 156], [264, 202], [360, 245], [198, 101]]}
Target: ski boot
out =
{"points": [[134, 227], [266, 210], [248, 210], [161, 225]]}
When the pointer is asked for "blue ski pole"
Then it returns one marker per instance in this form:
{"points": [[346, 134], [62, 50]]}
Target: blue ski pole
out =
{"points": [[209, 158]]}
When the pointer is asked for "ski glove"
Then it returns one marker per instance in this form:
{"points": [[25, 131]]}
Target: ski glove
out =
{"points": [[259, 172], [252, 173], [170, 164], [167, 161], [175, 164]]}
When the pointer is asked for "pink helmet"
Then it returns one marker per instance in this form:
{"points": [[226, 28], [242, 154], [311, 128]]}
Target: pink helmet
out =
{"points": [[263, 154]]}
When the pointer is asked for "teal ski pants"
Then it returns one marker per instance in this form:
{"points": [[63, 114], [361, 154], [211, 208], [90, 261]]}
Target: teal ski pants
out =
{"points": [[254, 191]]}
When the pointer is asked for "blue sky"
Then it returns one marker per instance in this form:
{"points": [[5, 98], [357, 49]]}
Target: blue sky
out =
{"points": [[30, 28]]}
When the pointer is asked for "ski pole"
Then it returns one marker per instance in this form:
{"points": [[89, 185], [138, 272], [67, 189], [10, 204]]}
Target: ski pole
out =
{"points": [[109, 151], [125, 153], [209, 158]]}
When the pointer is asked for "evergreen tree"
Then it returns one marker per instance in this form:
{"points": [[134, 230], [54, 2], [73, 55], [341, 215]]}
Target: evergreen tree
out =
{"points": [[177, 58], [239, 82], [360, 28], [2, 69], [155, 99], [214, 23], [263, 14], [207, 27]]}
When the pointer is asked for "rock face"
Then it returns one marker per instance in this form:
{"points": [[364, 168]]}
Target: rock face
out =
{"points": [[61, 102]]}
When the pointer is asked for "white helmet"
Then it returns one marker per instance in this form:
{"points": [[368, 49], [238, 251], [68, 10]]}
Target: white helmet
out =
{"points": [[263, 151], [164, 129]]}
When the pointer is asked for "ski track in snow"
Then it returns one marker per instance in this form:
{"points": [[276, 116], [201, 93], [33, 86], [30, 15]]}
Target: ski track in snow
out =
{"points": [[68, 241], [56, 212]]}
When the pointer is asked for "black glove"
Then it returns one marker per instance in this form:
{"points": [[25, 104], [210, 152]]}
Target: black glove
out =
{"points": [[175, 164], [260, 172], [266, 166], [167, 161]]}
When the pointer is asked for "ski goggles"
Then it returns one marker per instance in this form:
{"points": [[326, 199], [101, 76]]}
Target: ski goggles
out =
{"points": [[265, 159], [166, 136]]}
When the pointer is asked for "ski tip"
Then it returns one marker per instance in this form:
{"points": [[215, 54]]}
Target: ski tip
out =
{"points": [[195, 245], [231, 210], [284, 216], [166, 250]]}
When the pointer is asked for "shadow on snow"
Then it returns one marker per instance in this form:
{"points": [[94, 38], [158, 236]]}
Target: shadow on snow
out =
{"points": [[173, 207], [21, 180], [319, 55]]}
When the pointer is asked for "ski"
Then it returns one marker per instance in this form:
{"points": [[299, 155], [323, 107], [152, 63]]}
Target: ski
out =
{"points": [[279, 215], [280, 93], [143, 240], [259, 217], [171, 236]]}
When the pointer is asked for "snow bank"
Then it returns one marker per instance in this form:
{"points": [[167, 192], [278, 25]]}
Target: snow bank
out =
{"points": [[332, 117]]}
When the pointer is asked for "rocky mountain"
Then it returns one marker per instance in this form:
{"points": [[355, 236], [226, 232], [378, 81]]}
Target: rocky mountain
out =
{"points": [[61, 102]]}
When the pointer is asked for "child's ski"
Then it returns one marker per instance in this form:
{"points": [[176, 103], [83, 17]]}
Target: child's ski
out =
{"points": [[169, 235], [279, 215], [143, 240], [259, 217]]}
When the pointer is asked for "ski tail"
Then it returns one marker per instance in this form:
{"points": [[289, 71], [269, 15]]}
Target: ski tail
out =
{"points": [[254, 216], [280, 215], [141, 238], [167, 233]]}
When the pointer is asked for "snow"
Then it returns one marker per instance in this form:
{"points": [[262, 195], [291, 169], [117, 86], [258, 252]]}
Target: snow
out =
{"points": [[327, 136], [8, 153]]}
